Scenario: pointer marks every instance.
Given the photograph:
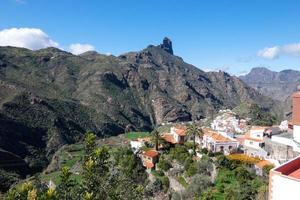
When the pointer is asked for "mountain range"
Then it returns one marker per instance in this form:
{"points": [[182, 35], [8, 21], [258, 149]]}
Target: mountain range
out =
{"points": [[277, 85], [50, 97]]}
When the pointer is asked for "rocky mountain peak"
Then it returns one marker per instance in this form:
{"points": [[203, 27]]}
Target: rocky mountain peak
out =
{"points": [[167, 45]]}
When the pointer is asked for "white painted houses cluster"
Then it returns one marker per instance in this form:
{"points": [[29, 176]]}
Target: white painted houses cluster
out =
{"points": [[227, 122]]}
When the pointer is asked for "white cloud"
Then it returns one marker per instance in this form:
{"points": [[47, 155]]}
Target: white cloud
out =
{"points": [[31, 38], [80, 48], [293, 49], [269, 52], [276, 51]]}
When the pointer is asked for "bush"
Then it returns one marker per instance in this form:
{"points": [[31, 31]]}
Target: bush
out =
{"points": [[182, 181], [164, 165], [165, 182], [158, 173], [192, 170], [179, 153], [204, 150], [189, 145]]}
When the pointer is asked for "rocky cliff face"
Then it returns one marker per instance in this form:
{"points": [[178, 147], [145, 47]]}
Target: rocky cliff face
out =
{"points": [[50, 97]]}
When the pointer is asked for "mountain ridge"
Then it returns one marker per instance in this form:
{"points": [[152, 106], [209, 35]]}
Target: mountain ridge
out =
{"points": [[278, 85], [56, 96]]}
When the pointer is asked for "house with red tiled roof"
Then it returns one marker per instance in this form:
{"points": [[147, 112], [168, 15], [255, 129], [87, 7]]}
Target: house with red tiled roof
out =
{"points": [[284, 181], [150, 158], [217, 142], [177, 135]]}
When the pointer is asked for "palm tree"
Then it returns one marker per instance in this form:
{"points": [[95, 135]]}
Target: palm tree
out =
{"points": [[194, 131], [156, 138]]}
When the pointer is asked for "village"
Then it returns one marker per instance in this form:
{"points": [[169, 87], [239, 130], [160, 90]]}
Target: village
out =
{"points": [[275, 148]]}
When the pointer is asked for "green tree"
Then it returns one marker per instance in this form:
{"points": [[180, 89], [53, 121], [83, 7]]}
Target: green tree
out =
{"points": [[90, 144], [194, 131], [64, 189], [156, 138]]}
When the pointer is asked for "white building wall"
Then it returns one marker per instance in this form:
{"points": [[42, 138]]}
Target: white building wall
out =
{"points": [[284, 188], [251, 143], [258, 134], [296, 133]]}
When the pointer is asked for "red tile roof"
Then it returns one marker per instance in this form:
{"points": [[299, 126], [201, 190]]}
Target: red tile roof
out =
{"points": [[216, 136], [169, 138], [295, 174], [151, 153], [290, 168], [180, 130], [148, 164]]}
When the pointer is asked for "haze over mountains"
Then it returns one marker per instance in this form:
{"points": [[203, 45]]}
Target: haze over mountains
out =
{"points": [[277, 85], [50, 97]]}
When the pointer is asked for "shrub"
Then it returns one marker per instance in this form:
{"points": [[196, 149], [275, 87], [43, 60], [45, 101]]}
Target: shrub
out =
{"points": [[164, 164], [158, 173], [189, 145], [182, 181], [204, 151], [192, 170], [165, 182]]}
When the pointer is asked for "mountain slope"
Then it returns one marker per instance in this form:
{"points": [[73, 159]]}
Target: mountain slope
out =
{"points": [[50, 97], [278, 85]]}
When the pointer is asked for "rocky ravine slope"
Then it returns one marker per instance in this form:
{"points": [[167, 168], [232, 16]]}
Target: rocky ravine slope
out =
{"points": [[50, 97]]}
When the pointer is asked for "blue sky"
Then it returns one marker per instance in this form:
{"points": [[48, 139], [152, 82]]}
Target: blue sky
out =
{"points": [[231, 35]]}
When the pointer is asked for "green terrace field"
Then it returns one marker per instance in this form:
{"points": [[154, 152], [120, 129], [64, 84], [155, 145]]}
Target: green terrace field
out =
{"points": [[136, 135], [69, 156]]}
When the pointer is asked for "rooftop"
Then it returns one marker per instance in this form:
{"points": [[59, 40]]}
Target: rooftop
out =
{"points": [[290, 168], [180, 130], [151, 153], [216, 136], [148, 164], [255, 128], [169, 138]]}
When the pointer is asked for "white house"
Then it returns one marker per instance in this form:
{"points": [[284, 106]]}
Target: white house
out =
{"points": [[177, 135], [217, 142], [255, 137]]}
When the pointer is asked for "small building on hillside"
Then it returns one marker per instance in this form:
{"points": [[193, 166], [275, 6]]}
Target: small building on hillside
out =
{"points": [[255, 137], [254, 142], [177, 135], [284, 181], [217, 142], [137, 144], [150, 158]]}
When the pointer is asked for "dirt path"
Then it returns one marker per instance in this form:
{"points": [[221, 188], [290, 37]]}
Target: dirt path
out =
{"points": [[213, 173], [175, 185]]}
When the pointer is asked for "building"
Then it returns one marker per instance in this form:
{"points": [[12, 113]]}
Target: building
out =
{"points": [[227, 122], [217, 142], [255, 137], [292, 137], [177, 135], [137, 144], [284, 181], [150, 158], [254, 142]]}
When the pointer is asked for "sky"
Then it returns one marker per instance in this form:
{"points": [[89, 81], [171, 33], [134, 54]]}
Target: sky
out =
{"points": [[229, 35]]}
